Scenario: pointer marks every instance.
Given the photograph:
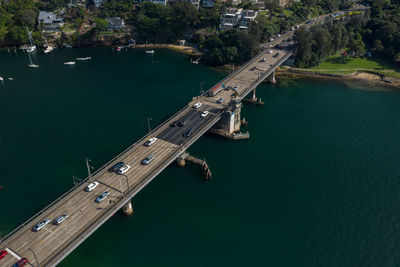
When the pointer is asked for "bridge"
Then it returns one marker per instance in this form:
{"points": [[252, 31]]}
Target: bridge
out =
{"points": [[54, 242]]}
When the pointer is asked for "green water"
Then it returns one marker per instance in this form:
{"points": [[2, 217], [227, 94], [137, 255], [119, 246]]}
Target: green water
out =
{"points": [[317, 184]]}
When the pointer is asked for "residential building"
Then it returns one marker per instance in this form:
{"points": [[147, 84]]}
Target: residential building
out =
{"points": [[115, 23], [207, 3], [98, 3], [230, 18], [283, 3], [159, 2], [248, 17], [77, 3], [49, 21], [234, 2]]}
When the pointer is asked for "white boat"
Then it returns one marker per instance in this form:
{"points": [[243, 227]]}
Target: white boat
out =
{"points": [[83, 58], [1, 78], [31, 65], [69, 63], [194, 61], [30, 49], [150, 52], [48, 49], [11, 79]]}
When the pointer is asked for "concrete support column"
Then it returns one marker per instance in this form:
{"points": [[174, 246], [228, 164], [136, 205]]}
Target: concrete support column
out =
{"points": [[181, 159], [272, 77], [254, 98], [127, 209]]}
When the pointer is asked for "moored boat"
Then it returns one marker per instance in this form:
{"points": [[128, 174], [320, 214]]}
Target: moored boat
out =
{"points": [[69, 63], [83, 58], [150, 51]]}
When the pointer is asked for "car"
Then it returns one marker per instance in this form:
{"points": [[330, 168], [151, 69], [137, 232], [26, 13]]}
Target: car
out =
{"points": [[188, 133], [235, 88], [264, 59], [175, 124], [292, 29], [279, 35], [116, 166], [60, 219], [219, 101], [197, 105], [40, 225], [228, 88], [123, 169], [21, 262], [270, 51], [3, 253], [276, 55], [91, 186], [150, 141], [183, 122], [147, 159], [101, 197], [280, 46], [205, 113], [271, 39]]}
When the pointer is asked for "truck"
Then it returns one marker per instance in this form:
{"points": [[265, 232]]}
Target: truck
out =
{"points": [[215, 90]]}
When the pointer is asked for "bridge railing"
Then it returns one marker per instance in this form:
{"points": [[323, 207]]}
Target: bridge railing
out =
{"points": [[39, 213]]}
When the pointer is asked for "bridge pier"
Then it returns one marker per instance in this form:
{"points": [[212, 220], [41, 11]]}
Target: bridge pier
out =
{"points": [[272, 77], [181, 160], [230, 122], [127, 209]]}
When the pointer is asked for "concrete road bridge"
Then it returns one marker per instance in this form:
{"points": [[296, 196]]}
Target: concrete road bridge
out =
{"points": [[54, 242]]}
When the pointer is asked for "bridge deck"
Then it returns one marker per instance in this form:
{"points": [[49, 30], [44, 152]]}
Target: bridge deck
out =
{"points": [[54, 243]]}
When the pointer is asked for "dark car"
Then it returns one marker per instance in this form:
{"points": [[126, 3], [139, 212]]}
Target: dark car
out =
{"points": [[188, 133], [276, 55], [182, 123], [116, 166], [175, 124], [3, 254], [280, 46], [21, 262], [228, 88]]}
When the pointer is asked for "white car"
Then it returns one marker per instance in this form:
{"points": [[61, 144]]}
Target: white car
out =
{"points": [[123, 169], [150, 141], [41, 225], [270, 51], [279, 35], [197, 105], [91, 186], [271, 39], [205, 113]]}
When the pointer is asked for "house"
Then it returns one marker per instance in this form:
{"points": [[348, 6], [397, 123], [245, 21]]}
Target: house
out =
{"points": [[115, 23], [234, 2], [248, 17], [230, 18], [159, 2], [49, 21], [98, 3], [207, 3], [77, 3], [283, 3]]}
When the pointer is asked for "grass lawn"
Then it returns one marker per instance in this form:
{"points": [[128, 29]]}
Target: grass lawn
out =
{"points": [[337, 63]]}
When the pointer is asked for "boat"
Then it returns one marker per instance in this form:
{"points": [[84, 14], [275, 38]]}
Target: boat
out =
{"points": [[83, 58], [32, 47], [31, 65], [11, 79], [150, 51], [194, 61], [48, 49], [1, 78], [69, 63], [118, 49]]}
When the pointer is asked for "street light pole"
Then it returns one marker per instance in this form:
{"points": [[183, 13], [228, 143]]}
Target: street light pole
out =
{"points": [[33, 252], [148, 123]]}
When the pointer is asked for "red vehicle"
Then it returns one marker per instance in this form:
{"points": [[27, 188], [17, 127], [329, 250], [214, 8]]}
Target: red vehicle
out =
{"points": [[3, 254], [213, 91], [21, 262]]}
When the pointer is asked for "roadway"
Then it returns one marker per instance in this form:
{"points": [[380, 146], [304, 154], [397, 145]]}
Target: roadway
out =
{"points": [[53, 243]]}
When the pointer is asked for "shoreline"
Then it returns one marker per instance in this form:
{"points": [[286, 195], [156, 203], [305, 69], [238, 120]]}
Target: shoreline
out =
{"points": [[188, 50], [369, 80]]}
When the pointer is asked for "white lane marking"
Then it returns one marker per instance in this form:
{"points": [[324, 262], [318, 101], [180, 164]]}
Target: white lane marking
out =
{"points": [[13, 253]]}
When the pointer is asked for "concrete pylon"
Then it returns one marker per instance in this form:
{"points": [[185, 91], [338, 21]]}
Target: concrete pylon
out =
{"points": [[254, 98], [127, 209], [272, 77]]}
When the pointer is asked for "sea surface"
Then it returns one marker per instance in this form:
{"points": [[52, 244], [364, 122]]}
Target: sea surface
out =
{"points": [[317, 183]]}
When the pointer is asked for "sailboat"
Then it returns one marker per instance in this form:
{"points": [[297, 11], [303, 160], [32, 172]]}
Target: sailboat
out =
{"points": [[32, 47], [32, 65], [49, 48]]}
